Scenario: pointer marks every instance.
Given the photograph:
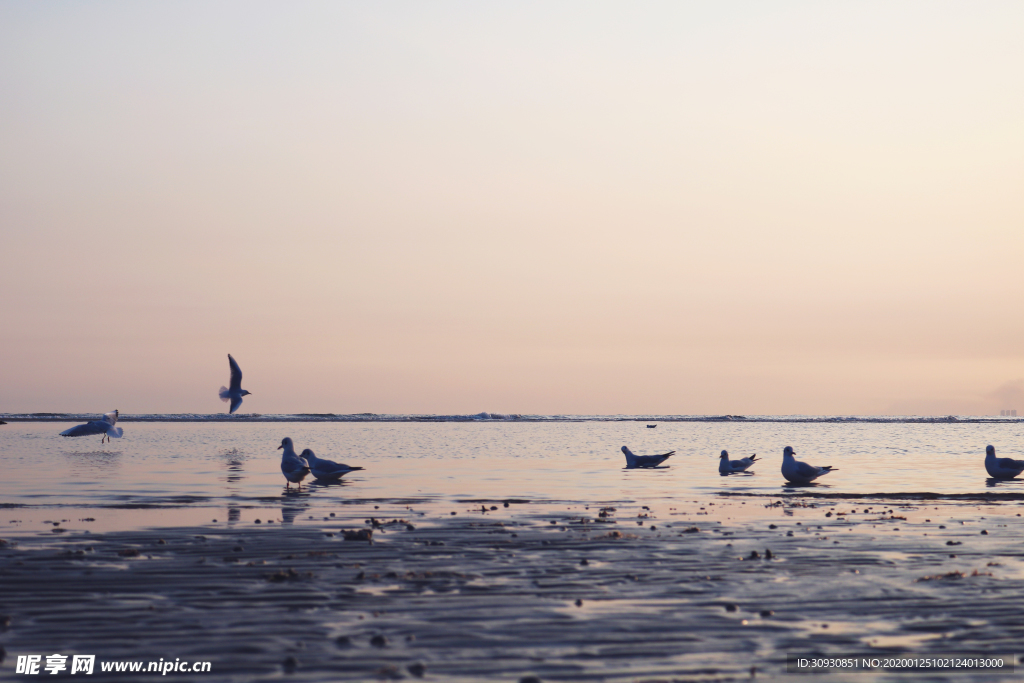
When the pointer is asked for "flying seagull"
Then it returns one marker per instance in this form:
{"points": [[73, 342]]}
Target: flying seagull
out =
{"points": [[727, 466], [105, 427], [1001, 468], [800, 472], [236, 392], [293, 467], [644, 460], [326, 470]]}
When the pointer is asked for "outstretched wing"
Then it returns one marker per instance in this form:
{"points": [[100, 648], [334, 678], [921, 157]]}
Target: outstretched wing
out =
{"points": [[88, 429], [235, 402], [236, 376]]}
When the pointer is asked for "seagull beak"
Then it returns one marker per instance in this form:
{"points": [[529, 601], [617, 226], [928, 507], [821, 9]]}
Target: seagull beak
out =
{"points": [[279, 447]]}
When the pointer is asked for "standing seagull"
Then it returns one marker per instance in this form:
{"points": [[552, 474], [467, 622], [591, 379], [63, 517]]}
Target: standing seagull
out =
{"points": [[644, 460], [727, 466], [800, 472], [293, 467], [326, 470], [105, 427], [236, 392], [1001, 468]]}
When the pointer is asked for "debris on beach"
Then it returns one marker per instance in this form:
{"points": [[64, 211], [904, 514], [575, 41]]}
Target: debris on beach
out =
{"points": [[953, 576], [288, 574]]}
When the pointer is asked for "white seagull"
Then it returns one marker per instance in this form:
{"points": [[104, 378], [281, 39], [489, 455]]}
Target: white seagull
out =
{"points": [[727, 466], [1001, 468], [800, 472], [105, 427], [236, 392], [644, 460], [293, 467], [326, 470]]}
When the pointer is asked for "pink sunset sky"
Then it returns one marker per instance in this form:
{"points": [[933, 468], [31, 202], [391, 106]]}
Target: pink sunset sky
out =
{"points": [[516, 207]]}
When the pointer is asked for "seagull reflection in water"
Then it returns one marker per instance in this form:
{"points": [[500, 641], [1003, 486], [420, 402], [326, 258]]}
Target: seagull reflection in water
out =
{"points": [[295, 503], [235, 466]]}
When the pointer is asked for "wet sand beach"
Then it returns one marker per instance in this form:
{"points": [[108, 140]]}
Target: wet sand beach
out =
{"points": [[712, 588]]}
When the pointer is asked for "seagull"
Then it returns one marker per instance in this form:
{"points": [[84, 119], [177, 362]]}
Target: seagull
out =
{"points": [[727, 466], [326, 470], [293, 467], [1001, 468], [236, 392], [644, 460], [800, 472], [105, 427]]}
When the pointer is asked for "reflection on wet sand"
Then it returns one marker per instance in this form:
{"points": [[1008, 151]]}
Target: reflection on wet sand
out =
{"points": [[717, 589]]}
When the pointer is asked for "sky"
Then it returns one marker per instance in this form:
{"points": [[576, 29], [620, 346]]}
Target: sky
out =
{"points": [[514, 207]]}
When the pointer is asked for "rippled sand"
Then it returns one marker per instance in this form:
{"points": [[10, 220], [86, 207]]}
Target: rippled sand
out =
{"points": [[720, 588]]}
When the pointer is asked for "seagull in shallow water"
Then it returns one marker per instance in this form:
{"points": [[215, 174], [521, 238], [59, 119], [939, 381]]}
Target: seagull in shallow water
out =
{"points": [[1001, 468], [105, 427], [800, 472], [727, 466], [235, 392], [326, 470], [644, 460], [293, 467]]}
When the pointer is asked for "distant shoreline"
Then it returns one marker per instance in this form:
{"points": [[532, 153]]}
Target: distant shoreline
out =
{"points": [[506, 418]]}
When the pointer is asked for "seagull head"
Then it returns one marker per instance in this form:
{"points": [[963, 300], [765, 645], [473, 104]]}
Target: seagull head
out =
{"points": [[788, 450], [307, 453], [990, 451], [286, 442], [245, 392], [725, 454]]}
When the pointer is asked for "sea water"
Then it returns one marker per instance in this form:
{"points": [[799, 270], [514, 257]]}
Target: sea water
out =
{"points": [[189, 473]]}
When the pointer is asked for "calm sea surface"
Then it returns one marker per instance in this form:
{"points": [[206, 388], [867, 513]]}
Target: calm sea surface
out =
{"points": [[170, 474]]}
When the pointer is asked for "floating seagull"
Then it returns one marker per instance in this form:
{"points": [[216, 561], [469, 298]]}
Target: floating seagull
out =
{"points": [[644, 460], [727, 466], [1001, 468], [800, 472], [326, 470], [105, 427], [293, 467], [236, 392]]}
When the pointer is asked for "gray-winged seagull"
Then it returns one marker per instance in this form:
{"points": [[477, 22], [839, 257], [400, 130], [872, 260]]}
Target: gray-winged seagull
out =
{"points": [[644, 460], [800, 472], [105, 427], [326, 470], [1001, 468], [727, 466], [235, 392], [293, 467]]}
